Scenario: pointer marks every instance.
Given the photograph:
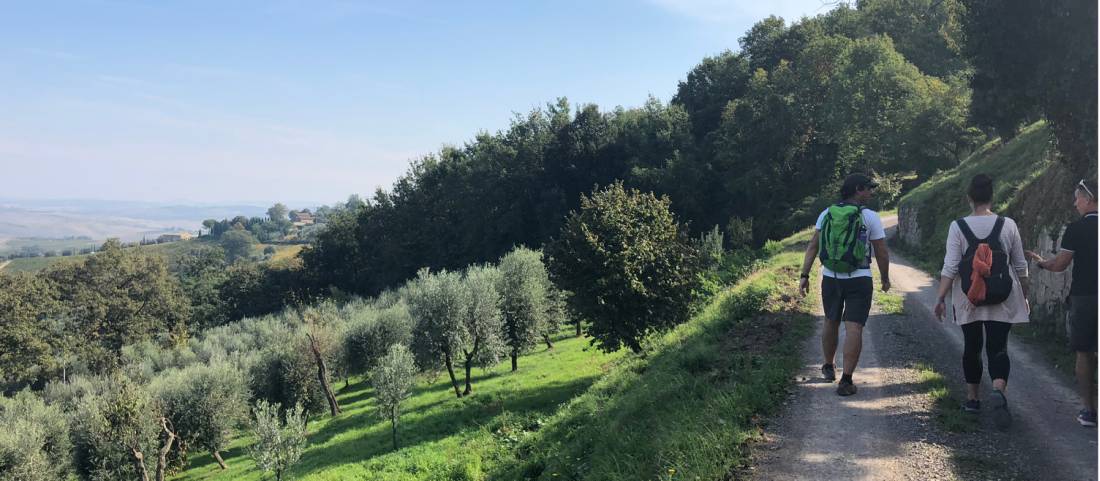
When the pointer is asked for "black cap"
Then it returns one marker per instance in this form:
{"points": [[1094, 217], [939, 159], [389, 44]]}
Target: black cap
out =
{"points": [[855, 182]]}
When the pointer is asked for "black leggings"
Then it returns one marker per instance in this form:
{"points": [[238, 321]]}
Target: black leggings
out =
{"points": [[996, 350]]}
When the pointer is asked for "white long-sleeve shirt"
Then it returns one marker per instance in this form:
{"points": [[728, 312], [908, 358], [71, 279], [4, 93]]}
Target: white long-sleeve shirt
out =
{"points": [[1014, 309]]}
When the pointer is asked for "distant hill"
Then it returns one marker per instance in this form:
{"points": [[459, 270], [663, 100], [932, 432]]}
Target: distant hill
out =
{"points": [[98, 220]]}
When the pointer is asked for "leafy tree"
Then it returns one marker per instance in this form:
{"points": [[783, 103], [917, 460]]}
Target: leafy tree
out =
{"points": [[237, 245], [34, 440], [525, 300], [118, 297], [392, 378], [926, 32], [709, 87], [27, 343], [634, 261], [201, 272], [1022, 66], [278, 213], [279, 444]]}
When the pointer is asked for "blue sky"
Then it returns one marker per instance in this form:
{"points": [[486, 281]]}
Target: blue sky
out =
{"points": [[216, 101]]}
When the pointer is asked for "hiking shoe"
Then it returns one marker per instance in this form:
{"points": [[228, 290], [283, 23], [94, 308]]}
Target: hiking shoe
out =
{"points": [[1087, 418], [1001, 417], [846, 388], [972, 406], [828, 372]]}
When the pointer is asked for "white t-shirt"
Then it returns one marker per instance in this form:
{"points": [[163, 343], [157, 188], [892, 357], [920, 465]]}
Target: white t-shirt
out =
{"points": [[872, 230]]}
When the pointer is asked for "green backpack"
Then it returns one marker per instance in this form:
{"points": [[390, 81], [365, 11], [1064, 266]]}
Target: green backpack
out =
{"points": [[840, 248]]}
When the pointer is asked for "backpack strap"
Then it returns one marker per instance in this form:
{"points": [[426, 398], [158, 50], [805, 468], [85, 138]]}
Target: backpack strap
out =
{"points": [[994, 238], [971, 240]]}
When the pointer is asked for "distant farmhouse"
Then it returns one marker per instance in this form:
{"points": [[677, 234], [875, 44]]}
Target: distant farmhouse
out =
{"points": [[175, 237], [301, 219]]}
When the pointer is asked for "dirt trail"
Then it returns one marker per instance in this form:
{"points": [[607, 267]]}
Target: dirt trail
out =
{"points": [[4, 264], [887, 431]]}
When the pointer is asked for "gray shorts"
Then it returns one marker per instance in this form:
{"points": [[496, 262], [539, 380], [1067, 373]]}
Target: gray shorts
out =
{"points": [[847, 299], [1082, 323]]}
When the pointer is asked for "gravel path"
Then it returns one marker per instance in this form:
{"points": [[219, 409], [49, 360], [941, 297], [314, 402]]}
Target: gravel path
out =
{"points": [[888, 430]]}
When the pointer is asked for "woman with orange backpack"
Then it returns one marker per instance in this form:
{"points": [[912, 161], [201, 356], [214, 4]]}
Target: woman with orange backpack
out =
{"points": [[985, 271]]}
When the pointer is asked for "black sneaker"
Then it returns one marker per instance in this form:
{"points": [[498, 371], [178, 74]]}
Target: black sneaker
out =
{"points": [[1087, 418], [972, 406], [1001, 417], [846, 388], [828, 372]]}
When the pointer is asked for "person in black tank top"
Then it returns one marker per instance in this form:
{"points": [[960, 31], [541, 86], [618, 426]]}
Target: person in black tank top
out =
{"points": [[1079, 248]]}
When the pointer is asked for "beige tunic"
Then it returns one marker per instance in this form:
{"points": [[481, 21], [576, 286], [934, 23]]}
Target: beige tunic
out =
{"points": [[1012, 310]]}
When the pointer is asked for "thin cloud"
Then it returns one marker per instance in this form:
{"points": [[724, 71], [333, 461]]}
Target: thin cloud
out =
{"points": [[729, 12]]}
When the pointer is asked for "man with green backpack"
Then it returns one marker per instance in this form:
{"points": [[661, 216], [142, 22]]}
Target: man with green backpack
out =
{"points": [[845, 237]]}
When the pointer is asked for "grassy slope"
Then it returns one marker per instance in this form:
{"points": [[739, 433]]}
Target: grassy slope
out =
{"points": [[686, 409]]}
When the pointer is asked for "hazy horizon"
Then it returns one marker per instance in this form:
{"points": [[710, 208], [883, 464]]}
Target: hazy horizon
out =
{"points": [[213, 103]]}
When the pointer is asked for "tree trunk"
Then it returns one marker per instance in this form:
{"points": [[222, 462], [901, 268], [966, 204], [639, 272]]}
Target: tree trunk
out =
{"points": [[578, 328], [515, 357], [322, 375], [393, 425], [470, 356], [546, 339], [165, 448], [451, 371], [218, 458], [139, 464], [469, 363]]}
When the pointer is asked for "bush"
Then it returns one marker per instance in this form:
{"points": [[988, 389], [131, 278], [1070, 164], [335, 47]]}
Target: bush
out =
{"points": [[34, 440]]}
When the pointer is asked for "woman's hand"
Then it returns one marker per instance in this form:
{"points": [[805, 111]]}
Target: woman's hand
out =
{"points": [[1032, 256], [940, 310]]}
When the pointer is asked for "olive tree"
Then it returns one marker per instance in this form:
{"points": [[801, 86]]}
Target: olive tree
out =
{"points": [[525, 307], [392, 377], [114, 428], [436, 303], [457, 319], [371, 333], [628, 263], [279, 443], [34, 440], [481, 320], [205, 403]]}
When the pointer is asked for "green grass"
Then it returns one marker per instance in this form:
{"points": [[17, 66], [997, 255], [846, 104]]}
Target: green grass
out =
{"points": [[685, 408], [947, 411], [12, 246], [34, 264], [442, 437]]}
